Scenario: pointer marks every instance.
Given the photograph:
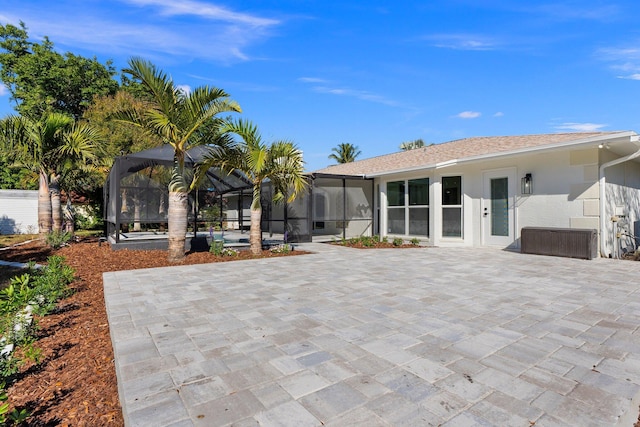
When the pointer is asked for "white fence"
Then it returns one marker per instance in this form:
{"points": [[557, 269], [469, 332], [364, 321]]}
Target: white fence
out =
{"points": [[18, 211]]}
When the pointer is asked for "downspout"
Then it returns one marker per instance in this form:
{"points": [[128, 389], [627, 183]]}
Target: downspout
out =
{"points": [[603, 204]]}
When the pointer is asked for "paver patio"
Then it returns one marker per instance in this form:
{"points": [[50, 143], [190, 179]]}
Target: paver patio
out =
{"points": [[427, 336]]}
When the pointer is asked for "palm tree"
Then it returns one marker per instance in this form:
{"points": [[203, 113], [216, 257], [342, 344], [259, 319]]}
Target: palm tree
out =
{"points": [[412, 145], [48, 147], [280, 163], [345, 153], [177, 118]]}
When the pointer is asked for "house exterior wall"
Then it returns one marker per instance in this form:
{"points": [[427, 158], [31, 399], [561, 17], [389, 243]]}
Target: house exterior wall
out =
{"points": [[565, 194], [18, 211]]}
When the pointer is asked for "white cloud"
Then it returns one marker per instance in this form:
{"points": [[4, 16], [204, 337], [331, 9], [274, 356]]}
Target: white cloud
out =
{"points": [[468, 115], [358, 94], [498, 114], [320, 85], [153, 29], [311, 80], [186, 89], [203, 10], [635, 76], [622, 59], [463, 41], [581, 127], [3, 90]]}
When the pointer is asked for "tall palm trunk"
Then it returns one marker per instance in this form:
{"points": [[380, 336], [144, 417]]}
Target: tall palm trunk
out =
{"points": [[56, 205], [44, 205], [69, 217], [137, 211], [255, 232], [178, 211]]}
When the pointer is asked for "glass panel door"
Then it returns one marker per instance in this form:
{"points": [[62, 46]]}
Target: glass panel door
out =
{"points": [[500, 206]]}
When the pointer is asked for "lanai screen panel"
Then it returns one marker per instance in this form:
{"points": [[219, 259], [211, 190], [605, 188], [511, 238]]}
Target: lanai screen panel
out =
{"points": [[137, 191], [342, 207]]}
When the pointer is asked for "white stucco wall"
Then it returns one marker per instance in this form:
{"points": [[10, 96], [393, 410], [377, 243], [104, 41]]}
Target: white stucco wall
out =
{"points": [[565, 193], [18, 211]]}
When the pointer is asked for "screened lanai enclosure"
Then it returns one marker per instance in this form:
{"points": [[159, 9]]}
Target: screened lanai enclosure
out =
{"points": [[136, 216]]}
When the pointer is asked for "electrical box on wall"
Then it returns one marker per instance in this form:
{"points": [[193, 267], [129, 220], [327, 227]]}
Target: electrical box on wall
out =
{"points": [[621, 211]]}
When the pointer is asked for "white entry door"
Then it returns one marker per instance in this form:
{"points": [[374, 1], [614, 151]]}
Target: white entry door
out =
{"points": [[498, 206]]}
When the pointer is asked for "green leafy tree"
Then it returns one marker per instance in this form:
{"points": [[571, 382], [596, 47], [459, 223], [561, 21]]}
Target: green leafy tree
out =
{"points": [[280, 163], [182, 120], [12, 178], [121, 140], [49, 147], [41, 80], [412, 145], [345, 153]]}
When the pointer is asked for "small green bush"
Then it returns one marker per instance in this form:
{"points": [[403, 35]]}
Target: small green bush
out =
{"points": [[16, 417], [88, 217], [282, 249], [57, 239], [229, 252], [33, 293], [216, 247], [398, 241], [415, 241]]}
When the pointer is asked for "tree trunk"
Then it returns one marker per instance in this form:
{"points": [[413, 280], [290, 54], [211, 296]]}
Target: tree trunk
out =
{"points": [[56, 206], [44, 205], [178, 212], [69, 217], [136, 213], [255, 233]]}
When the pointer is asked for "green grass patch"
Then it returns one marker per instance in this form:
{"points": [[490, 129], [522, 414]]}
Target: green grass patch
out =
{"points": [[12, 239]]}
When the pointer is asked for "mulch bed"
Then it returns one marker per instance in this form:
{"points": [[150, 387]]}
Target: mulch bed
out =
{"points": [[75, 382]]}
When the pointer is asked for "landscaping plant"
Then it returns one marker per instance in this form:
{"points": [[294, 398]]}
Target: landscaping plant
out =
{"points": [[31, 294]]}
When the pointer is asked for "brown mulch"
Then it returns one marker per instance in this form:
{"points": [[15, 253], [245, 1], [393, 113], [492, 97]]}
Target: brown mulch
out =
{"points": [[75, 382]]}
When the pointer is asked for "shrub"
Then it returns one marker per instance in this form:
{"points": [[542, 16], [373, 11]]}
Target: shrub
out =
{"points": [[88, 217], [15, 416], [398, 241], [35, 292], [216, 247], [57, 239], [415, 241], [229, 252], [282, 249]]}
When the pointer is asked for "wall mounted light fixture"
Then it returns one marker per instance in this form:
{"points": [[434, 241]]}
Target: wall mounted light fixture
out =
{"points": [[527, 184]]}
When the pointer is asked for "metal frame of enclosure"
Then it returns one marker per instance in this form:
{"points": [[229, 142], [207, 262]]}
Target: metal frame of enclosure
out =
{"points": [[136, 194]]}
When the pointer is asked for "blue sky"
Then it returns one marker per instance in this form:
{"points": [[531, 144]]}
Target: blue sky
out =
{"points": [[374, 73]]}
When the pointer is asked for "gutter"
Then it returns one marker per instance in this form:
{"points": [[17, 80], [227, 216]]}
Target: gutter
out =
{"points": [[603, 181]]}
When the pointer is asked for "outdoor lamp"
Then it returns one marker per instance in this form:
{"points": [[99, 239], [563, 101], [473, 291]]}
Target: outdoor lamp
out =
{"points": [[527, 184]]}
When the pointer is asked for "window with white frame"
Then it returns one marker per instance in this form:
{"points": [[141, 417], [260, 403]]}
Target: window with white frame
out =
{"points": [[452, 206], [408, 207]]}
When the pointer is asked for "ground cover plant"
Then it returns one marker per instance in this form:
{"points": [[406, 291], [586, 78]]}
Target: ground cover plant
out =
{"points": [[73, 382], [373, 242]]}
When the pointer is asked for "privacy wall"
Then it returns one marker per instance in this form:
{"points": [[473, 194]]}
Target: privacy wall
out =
{"points": [[18, 211]]}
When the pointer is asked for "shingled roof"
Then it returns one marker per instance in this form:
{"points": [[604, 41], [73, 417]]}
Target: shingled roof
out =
{"points": [[459, 150]]}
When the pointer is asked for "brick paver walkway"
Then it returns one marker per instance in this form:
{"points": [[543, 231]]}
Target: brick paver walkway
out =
{"points": [[428, 336]]}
